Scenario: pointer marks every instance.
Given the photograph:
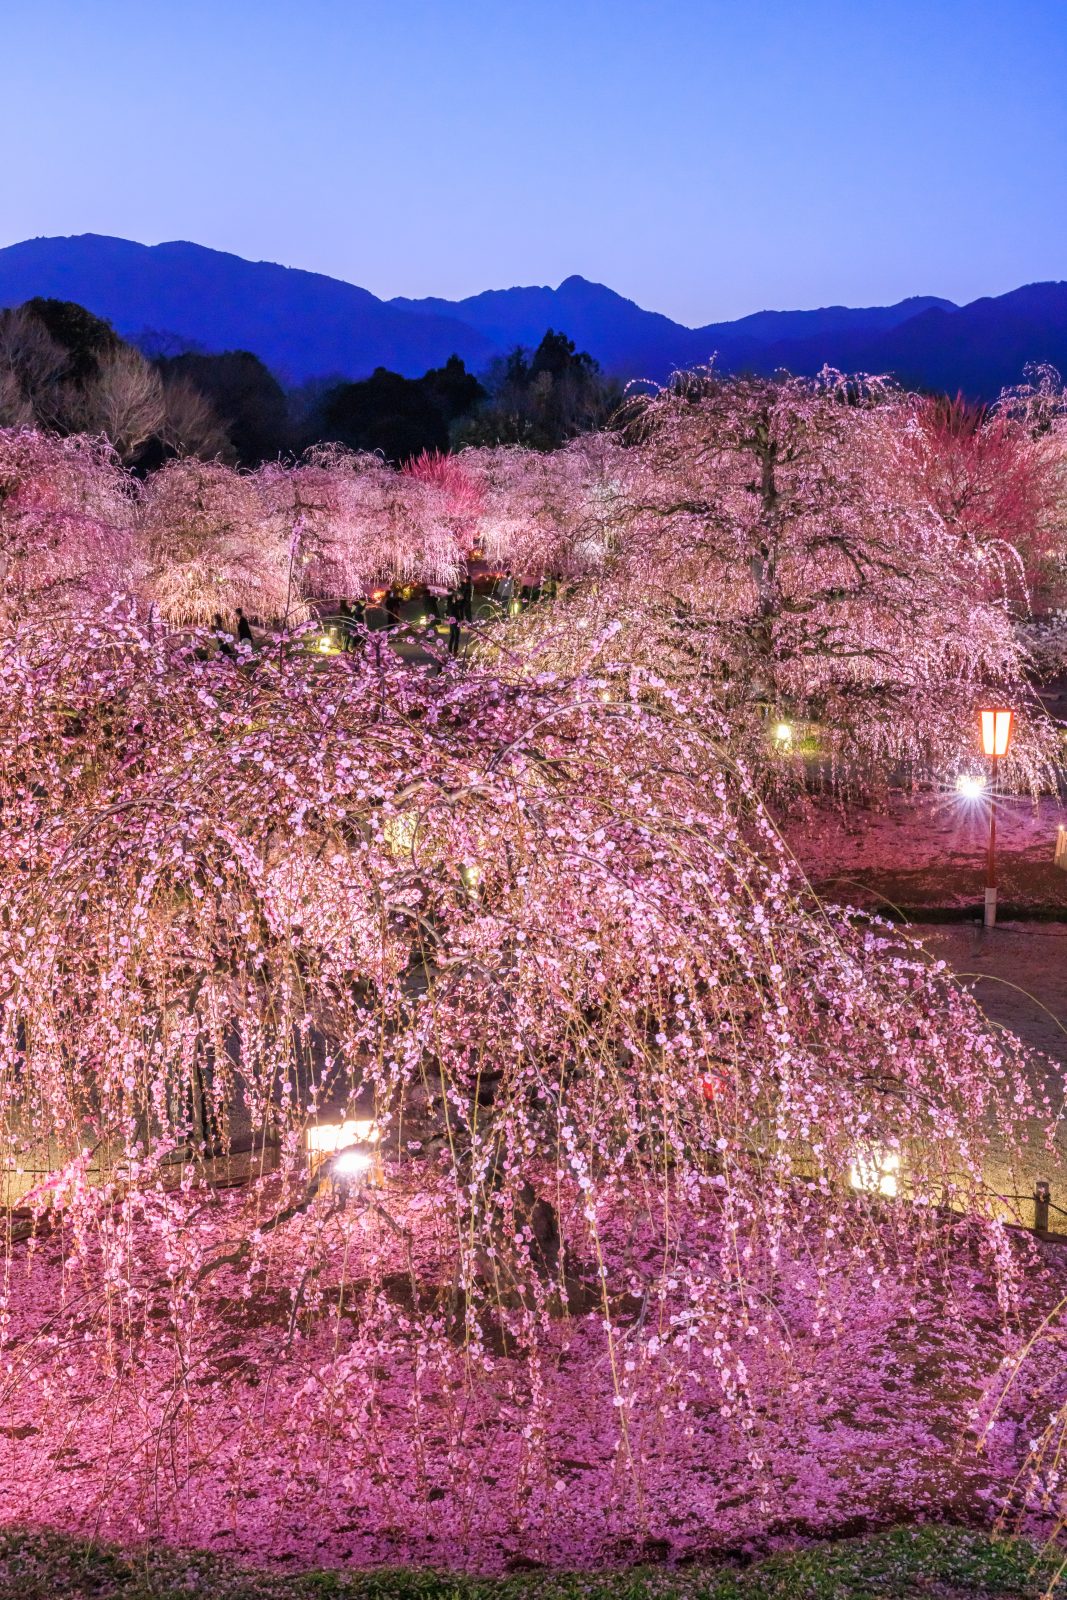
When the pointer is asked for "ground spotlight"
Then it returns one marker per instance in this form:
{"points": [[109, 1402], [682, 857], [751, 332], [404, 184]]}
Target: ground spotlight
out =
{"points": [[970, 785]]}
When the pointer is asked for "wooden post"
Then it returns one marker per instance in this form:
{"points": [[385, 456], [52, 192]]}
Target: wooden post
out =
{"points": [[1060, 858]]}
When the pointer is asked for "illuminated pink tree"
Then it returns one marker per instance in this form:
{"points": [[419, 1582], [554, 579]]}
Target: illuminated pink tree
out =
{"points": [[549, 513], [989, 483], [358, 522], [783, 529], [671, 1155], [66, 524], [211, 541], [622, 1065]]}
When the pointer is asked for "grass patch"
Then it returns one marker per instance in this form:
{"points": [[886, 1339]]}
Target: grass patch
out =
{"points": [[903, 1564]]}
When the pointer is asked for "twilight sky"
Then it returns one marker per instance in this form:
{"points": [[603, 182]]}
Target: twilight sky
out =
{"points": [[705, 157]]}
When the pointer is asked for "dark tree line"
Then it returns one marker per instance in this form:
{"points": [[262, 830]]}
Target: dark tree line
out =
{"points": [[65, 369]]}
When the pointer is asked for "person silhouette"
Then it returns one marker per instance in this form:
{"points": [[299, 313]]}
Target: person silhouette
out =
{"points": [[455, 613]]}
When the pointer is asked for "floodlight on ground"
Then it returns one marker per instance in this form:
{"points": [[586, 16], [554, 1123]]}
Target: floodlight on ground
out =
{"points": [[325, 1138], [876, 1170], [470, 876], [970, 785], [353, 1164]]}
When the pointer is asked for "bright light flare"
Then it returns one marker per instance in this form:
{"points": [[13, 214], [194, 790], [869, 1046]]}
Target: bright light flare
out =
{"points": [[470, 875], [970, 785], [352, 1163], [876, 1171], [783, 733], [324, 1138]]}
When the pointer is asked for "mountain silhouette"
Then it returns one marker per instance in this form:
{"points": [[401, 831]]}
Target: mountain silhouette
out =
{"points": [[302, 324], [306, 325]]}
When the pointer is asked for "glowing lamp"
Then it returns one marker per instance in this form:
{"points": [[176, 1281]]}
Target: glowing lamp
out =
{"points": [[400, 832], [347, 1149], [325, 1138], [876, 1171], [996, 736], [970, 785], [470, 876], [783, 733], [996, 732], [352, 1165]]}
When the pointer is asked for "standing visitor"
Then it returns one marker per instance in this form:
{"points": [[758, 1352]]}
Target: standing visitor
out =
{"points": [[392, 608], [505, 591], [244, 632], [455, 612], [466, 599]]}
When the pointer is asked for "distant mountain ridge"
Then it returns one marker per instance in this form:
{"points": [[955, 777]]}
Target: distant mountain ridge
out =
{"points": [[621, 335], [306, 325]]}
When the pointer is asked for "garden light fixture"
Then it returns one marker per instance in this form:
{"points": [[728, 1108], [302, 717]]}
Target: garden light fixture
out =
{"points": [[996, 736], [470, 876], [348, 1150], [352, 1164], [325, 1139], [970, 785], [996, 733], [876, 1171]]}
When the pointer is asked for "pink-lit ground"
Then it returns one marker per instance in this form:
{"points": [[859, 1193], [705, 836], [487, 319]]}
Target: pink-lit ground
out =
{"points": [[874, 1424], [928, 852]]}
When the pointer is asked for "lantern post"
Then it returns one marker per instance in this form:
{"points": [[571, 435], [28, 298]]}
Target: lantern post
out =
{"points": [[996, 736]]}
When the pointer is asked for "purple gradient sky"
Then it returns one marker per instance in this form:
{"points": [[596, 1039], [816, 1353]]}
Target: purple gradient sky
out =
{"points": [[706, 157]]}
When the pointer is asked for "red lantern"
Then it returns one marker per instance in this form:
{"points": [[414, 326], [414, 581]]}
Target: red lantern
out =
{"points": [[710, 1086]]}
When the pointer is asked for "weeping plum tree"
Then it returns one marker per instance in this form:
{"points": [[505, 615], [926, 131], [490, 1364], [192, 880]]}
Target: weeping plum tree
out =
{"points": [[621, 1064], [67, 516], [211, 540], [784, 524], [626, 1262]]}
